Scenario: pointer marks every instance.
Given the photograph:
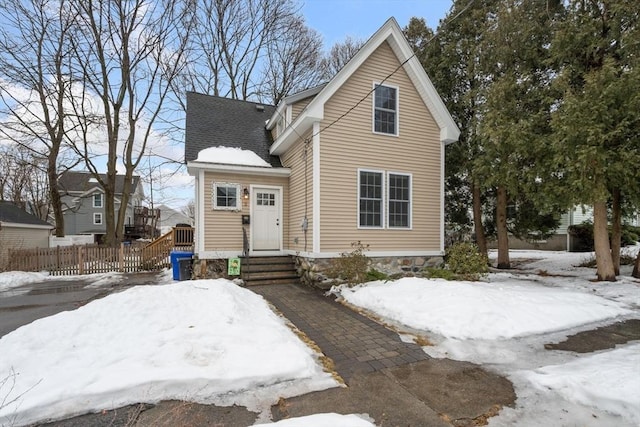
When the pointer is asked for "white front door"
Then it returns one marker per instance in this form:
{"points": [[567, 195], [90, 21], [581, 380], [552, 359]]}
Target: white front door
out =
{"points": [[266, 221]]}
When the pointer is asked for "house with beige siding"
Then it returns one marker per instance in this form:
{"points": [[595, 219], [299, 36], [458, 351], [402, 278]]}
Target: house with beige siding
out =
{"points": [[20, 230], [358, 159]]}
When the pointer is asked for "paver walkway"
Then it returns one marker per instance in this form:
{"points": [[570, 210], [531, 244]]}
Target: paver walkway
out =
{"points": [[355, 343]]}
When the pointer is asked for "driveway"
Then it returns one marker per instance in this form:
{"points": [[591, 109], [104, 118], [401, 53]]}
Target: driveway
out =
{"points": [[22, 305]]}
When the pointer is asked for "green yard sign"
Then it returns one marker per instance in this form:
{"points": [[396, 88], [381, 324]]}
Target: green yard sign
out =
{"points": [[234, 267]]}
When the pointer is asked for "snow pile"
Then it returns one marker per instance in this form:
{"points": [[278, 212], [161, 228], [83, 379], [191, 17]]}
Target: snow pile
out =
{"points": [[207, 341], [478, 310], [231, 156], [595, 381], [13, 279], [322, 420]]}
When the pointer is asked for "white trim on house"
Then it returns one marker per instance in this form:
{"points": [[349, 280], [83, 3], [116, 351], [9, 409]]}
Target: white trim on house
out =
{"points": [[369, 254], [316, 187], [93, 200], [382, 200], [200, 212], [21, 225], [442, 200], [192, 167], [391, 33], [396, 110], [288, 101], [95, 216]]}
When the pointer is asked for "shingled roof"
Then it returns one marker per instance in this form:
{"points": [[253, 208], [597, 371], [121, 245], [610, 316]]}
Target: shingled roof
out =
{"points": [[213, 121], [9, 212], [72, 181]]}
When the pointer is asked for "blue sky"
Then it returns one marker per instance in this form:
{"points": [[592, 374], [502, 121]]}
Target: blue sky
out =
{"points": [[337, 19]]}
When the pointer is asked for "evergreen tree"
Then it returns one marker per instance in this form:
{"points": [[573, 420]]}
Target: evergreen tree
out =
{"points": [[596, 123]]}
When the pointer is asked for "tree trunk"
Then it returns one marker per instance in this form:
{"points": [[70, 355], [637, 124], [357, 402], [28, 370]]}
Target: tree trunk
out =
{"points": [[604, 262], [636, 267], [481, 239], [56, 202], [503, 236], [616, 230]]}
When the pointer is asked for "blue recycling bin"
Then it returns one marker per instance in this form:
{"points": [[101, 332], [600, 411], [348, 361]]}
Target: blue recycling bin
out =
{"points": [[176, 257]]}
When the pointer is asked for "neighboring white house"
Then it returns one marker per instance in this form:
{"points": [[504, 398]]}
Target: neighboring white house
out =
{"points": [[561, 240], [20, 230]]}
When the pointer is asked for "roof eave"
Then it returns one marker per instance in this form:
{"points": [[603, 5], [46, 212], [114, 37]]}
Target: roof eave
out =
{"points": [[193, 167], [391, 33]]}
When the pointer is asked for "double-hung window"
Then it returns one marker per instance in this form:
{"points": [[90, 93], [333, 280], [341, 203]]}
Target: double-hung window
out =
{"points": [[385, 110], [97, 218], [399, 189], [384, 203], [97, 200], [226, 196], [371, 196]]}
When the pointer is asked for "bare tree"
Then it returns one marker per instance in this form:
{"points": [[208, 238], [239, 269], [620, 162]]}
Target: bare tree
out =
{"points": [[23, 180], [229, 41], [36, 82], [339, 55], [294, 56], [128, 53]]}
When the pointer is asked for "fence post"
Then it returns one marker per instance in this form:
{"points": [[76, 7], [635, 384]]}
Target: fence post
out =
{"points": [[81, 260], [121, 257]]}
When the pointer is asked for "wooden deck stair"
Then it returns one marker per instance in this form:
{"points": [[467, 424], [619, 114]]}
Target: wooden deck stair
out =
{"points": [[273, 270], [156, 254]]}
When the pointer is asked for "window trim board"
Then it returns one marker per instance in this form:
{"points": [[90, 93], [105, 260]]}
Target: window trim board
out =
{"points": [[397, 110]]}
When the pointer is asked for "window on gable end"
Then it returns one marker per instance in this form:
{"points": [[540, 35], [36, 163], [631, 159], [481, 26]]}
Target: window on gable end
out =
{"points": [[97, 200], [385, 110]]}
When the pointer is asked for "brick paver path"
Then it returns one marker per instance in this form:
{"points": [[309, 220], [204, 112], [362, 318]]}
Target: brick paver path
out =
{"points": [[354, 342]]}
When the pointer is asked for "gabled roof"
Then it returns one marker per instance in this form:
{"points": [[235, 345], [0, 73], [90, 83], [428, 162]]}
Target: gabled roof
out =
{"points": [[213, 121], [11, 213], [391, 33], [82, 182]]}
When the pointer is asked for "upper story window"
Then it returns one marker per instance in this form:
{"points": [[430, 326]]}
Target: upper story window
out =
{"points": [[385, 110], [226, 196], [97, 200]]}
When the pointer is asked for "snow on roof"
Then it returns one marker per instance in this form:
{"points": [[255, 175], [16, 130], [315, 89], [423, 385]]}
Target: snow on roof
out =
{"points": [[231, 156]]}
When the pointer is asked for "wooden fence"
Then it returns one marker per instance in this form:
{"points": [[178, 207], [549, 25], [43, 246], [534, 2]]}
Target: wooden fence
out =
{"points": [[89, 259]]}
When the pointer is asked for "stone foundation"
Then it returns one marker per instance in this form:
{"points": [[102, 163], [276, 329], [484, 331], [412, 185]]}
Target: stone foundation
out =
{"points": [[210, 269], [312, 270]]}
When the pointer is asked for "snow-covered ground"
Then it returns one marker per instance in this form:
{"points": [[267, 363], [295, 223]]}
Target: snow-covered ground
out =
{"points": [[11, 280], [504, 322], [211, 341], [206, 341]]}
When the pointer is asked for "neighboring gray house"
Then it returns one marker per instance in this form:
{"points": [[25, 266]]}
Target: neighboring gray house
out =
{"points": [[20, 230], [83, 203], [170, 218]]}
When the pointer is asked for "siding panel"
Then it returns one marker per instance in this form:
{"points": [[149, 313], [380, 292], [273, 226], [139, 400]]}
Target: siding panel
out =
{"points": [[351, 144], [223, 229]]}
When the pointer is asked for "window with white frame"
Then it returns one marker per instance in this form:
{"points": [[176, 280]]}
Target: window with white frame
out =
{"points": [[97, 218], [226, 196], [384, 203], [97, 200], [370, 192], [399, 200], [385, 110]]}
